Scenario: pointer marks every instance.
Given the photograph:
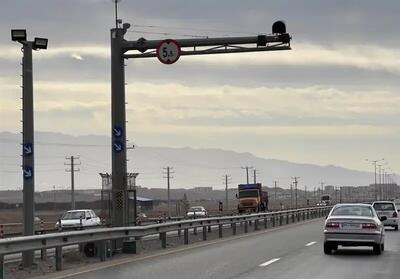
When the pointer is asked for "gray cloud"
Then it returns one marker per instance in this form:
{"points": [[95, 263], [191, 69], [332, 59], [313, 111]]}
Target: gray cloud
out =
{"points": [[74, 25], [309, 20]]}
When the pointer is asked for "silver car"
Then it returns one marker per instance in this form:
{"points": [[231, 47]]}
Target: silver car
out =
{"points": [[388, 209], [354, 225]]}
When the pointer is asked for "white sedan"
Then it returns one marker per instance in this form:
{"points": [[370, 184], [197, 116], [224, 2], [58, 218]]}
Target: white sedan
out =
{"points": [[197, 212], [78, 219]]}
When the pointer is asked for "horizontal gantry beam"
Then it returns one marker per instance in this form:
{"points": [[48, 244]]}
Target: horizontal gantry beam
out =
{"points": [[211, 51], [221, 45]]}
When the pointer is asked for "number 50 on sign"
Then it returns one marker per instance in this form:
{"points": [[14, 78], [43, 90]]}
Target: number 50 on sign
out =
{"points": [[169, 51]]}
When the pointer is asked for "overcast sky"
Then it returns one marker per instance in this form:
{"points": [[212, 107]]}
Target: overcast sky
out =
{"points": [[333, 99]]}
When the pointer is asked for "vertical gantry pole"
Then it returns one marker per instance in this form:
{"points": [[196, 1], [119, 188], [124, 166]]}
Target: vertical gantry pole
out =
{"points": [[118, 129], [27, 146]]}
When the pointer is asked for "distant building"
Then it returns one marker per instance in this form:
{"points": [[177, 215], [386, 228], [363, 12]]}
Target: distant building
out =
{"points": [[145, 204], [329, 189]]}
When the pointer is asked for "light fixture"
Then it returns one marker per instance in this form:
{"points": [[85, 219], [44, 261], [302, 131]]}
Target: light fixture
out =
{"points": [[40, 43], [18, 35], [279, 27]]}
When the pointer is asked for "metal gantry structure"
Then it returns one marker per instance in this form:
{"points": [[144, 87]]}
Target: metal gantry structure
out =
{"points": [[168, 52]]}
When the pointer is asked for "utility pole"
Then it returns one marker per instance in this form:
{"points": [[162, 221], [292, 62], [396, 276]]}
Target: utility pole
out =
{"points": [[72, 170], [255, 176], [335, 188], [247, 168], [28, 159], [54, 199], [315, 195], [227, 181], [322, 187], [168, 173], [291, 195], [305, 193], [380, 182], [374, 162], [295, 185], [275, 182]]}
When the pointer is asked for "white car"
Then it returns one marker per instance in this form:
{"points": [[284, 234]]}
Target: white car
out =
{"points": [[397, 203], [197, 212], [387, 209], [354, 225], [78, 219]]}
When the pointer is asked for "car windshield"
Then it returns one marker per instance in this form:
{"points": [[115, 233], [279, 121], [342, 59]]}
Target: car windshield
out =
{"points": [[248, 194], [384, 206], [73, 215], [196, 209], [353, 210]]}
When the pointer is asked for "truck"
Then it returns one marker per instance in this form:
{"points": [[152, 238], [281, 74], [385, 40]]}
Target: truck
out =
{"points": [[251, 198], [325, 200]]}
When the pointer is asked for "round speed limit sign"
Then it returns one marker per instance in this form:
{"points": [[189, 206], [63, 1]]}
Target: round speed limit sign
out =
{"points": [[168, 51]]}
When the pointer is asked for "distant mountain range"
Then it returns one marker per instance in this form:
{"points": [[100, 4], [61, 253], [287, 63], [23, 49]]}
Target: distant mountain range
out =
{"points": [[191, 167]]}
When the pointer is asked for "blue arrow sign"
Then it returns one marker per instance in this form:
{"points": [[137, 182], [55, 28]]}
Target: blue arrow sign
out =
{"points": [[28, 173], [118, 146], [118, 131], [27, 149]]}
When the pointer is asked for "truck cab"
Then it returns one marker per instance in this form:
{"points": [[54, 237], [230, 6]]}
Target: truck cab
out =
{"points": [[251, 198]]}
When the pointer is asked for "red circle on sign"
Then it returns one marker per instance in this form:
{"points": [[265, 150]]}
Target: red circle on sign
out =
{"points": [[168, 42]]}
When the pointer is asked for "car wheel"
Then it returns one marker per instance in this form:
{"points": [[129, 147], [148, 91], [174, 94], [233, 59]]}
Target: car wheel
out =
{"points": [[327, 248], [377, 249], [396, 228]]}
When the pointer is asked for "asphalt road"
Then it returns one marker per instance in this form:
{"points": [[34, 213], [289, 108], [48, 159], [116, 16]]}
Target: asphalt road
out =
{"points": [[289, 252]]}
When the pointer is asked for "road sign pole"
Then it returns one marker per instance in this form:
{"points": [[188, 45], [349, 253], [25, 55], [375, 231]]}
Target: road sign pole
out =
{"points": [[28, 157], [118, 123]]}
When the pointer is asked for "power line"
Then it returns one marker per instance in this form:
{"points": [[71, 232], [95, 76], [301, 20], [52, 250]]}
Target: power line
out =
{"points": [[196, 29], [59, 143], [167, 34]]}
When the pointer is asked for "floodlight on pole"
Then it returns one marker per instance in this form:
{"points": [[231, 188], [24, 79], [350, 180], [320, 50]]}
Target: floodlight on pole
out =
{"points": [[40, 43], [28, 146], [18, 35]]}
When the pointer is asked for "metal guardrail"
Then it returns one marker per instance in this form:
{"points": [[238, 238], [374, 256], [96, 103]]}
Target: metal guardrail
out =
{"points": [[103, 236]]}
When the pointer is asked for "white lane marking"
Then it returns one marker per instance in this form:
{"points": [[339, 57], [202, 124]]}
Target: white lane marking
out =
{"points": [[270, 262], [311, 243]]}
